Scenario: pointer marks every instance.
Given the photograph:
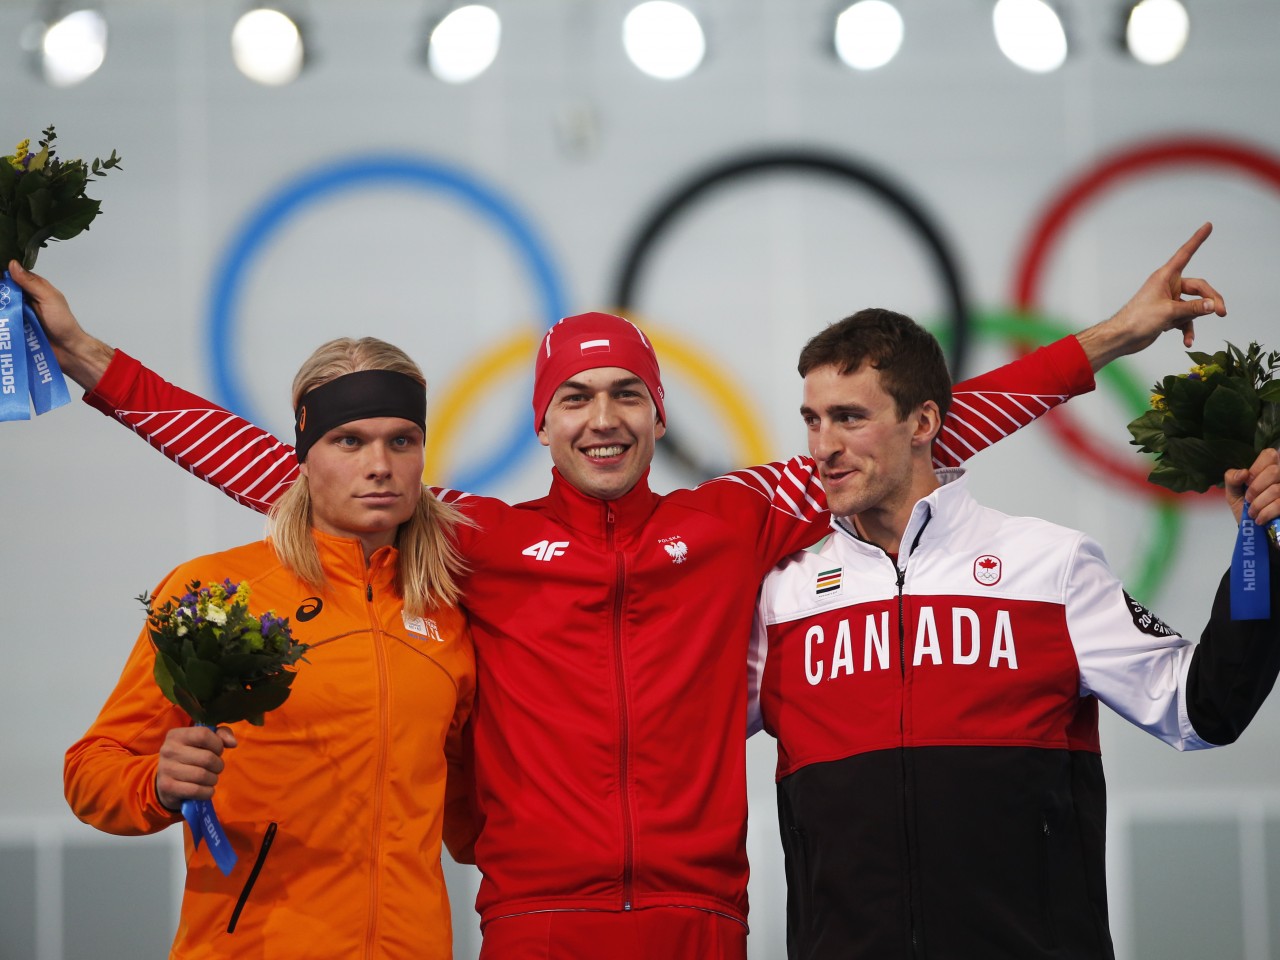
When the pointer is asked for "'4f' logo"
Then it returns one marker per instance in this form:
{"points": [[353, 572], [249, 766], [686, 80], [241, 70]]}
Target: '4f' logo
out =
{"points": [[546, 549]]}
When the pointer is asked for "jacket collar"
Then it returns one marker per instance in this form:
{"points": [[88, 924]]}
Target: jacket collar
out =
{"points": [[343, 561], [946, 508], [590, 515]]}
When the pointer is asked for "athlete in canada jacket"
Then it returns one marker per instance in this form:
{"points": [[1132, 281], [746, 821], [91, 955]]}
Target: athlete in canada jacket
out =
{"points": [[940, 784], [932, 675]]}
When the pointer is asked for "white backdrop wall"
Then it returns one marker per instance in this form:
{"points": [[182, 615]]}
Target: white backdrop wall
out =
{"points": [[565, 139]]}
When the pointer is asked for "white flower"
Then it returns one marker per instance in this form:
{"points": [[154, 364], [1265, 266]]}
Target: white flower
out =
{"points": [[182, 630], [216, 615]]}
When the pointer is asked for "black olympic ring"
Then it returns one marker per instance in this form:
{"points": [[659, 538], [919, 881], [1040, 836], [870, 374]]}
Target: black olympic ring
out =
{"points": [[786, 160]]}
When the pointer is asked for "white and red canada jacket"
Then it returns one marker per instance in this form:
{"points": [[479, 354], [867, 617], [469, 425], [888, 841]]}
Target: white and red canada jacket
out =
{"points": [[611, 639], [939, 775]]}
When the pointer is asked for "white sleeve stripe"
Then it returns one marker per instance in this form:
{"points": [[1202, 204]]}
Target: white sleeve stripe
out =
{"points": [[219, 448], [951, 434], [938, 459], [176, 421], [262, 477], [985, 419], [990, 405]]}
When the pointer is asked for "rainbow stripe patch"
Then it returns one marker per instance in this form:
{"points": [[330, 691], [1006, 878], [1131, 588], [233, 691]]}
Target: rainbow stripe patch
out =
{"points": [[828, 581]]}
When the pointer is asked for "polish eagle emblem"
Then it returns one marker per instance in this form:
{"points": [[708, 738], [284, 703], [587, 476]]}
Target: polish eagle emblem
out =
{"points": [[678, 551]]}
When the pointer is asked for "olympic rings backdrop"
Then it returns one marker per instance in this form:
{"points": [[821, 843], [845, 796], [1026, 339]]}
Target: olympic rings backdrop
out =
{"points": [[725, 397]]}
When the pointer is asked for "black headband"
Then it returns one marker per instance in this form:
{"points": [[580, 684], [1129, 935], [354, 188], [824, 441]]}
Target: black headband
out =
{"points": [[357, 396]]}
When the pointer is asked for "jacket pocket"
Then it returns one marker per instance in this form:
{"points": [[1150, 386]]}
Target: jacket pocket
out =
{"points": [[263, 849]]}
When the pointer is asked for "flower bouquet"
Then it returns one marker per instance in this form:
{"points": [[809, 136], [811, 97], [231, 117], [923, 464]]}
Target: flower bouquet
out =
{"points": [[1217, 416], [42, 198], [221, 664]]}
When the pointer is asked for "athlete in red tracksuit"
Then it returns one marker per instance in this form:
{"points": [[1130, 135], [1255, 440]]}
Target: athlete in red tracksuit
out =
{"points": [[610, 625]]}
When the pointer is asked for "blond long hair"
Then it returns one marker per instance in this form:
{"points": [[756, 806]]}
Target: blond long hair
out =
{"points": [[429, 565]]}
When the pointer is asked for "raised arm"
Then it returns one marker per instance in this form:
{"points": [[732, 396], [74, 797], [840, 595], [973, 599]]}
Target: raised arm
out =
{"points": [[240, 459], [1156, 308]]}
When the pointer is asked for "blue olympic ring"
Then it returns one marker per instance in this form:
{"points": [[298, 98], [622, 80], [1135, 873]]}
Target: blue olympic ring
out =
{"points": [[331, 180]]}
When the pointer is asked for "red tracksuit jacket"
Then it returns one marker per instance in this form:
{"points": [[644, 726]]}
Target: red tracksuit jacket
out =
{"points": [[611, 642]]}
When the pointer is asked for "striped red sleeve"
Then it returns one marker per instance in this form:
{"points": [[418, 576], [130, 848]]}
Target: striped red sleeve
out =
{"points": [[990, 407], [786, 498], [242, 460]]}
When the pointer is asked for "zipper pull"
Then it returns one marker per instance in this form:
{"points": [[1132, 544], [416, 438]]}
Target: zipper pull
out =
{"points": [[368, 592]]}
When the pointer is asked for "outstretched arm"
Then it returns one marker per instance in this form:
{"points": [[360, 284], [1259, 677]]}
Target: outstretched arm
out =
{"points": [[242, 460], [1157, 307]]}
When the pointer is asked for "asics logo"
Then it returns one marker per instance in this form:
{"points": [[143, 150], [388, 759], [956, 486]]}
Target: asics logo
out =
{"points": [[546, 550]]}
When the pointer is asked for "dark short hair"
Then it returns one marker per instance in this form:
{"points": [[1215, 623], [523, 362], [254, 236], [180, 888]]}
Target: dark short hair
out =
{"points": [[912, 368]]}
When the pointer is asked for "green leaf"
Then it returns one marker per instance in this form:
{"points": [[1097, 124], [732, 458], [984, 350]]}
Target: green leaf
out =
{"points": [[232, 706], [28, 184], [163, 672], [74, 217], [1179, 481], [1232, 453], [9, 246], [1230, 415], [1196, 457], [1270, 393], [203, 679], [1148, 431], [41, 204]]}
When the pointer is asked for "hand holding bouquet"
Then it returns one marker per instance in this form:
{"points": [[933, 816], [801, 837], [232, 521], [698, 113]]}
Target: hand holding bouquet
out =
{"points": [[1216, 417], [42, 198], [221, 664]]}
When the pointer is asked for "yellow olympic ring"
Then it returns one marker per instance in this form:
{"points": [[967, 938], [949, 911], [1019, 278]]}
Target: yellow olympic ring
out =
{"points": [[515, 353]]}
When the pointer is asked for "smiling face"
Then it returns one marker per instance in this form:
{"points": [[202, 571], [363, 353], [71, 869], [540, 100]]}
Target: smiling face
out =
{"points": [[870, 459], [365, 479], [601, 427]]}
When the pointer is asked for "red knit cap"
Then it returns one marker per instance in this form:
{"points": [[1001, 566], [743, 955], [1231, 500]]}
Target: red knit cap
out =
{"points": [[592, 340]]}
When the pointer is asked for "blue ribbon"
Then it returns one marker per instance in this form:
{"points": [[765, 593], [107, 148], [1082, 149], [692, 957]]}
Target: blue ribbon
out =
{"points": [[203, 821], [13, 356], [27, 364], [204, 824], [45, 382], [1250, 572]]}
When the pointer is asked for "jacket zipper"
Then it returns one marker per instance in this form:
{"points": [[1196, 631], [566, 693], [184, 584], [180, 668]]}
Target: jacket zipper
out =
{"points": [[902, 757], [900, 569], [263, 849], [624, 725], [380, 659]]}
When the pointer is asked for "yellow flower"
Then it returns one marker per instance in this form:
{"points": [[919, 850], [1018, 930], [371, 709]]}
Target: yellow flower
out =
{"points": [[1158, 402], [19, 159], [1203, 371]]}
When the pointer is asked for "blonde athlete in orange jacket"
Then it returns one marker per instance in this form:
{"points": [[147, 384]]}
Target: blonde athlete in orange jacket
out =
{"points": [[336, 805]]}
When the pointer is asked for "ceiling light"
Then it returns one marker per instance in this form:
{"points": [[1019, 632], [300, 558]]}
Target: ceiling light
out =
{"points": [[464, 43], [267, 47], [72, 46], [868, 34], [1156, 31], [663, 39], [1030, 33]]}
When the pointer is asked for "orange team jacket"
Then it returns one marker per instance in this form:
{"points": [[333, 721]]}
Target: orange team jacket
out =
{"points": [[335, 805]]}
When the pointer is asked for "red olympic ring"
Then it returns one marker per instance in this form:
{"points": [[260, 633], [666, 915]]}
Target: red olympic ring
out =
{"points": [[1188, 152]]}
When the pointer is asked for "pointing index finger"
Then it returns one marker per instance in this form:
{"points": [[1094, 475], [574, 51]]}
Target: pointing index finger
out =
{"points": [[1185, 252]]}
